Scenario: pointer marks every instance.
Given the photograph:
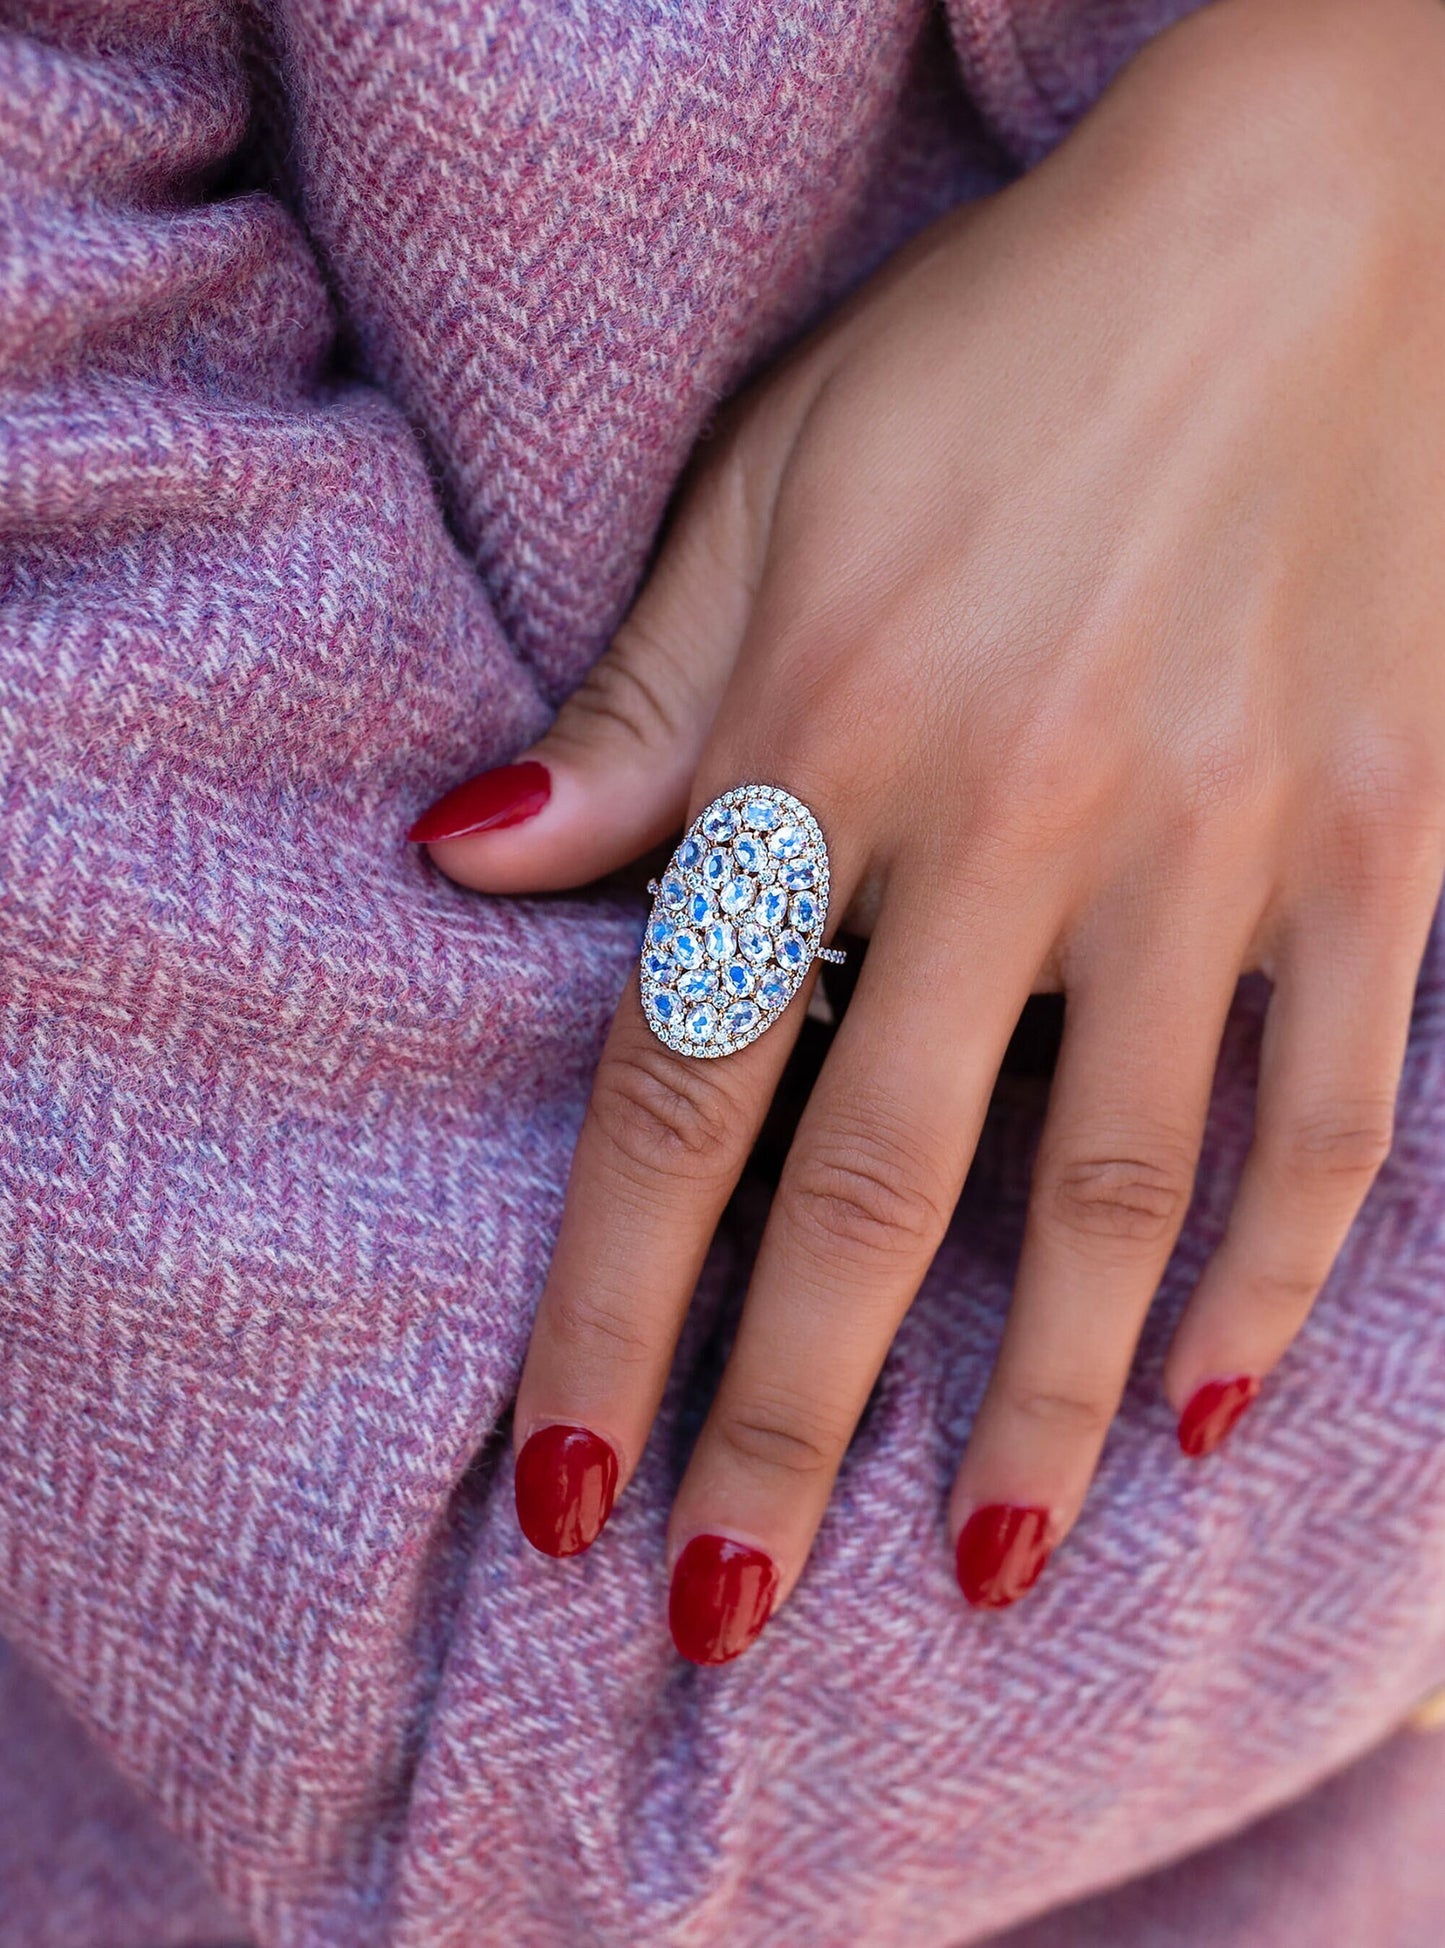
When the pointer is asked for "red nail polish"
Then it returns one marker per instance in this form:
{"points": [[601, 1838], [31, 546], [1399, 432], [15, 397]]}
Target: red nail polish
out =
{"points": [[1213, 1410], [566, 1485], [722, 1595], [1001, 1554], [488, 803]]}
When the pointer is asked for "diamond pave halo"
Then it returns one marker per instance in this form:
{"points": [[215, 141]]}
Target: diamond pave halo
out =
{"points": [[737, 920]]}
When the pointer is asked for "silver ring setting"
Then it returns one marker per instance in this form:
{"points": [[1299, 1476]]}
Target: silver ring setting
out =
{"points": [[737, 920]]}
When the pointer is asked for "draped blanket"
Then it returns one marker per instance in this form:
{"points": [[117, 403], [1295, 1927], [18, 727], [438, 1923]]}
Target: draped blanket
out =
{"points": [[349, 351]]}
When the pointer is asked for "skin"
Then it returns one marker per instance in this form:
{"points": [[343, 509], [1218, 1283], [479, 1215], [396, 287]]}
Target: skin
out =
{"points": [[1083, 573]]}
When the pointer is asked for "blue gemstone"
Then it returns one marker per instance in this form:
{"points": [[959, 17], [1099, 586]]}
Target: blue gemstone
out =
{"points": [[798, 875], [773, 989], [720, 822], [787, 842], [674, 891], [736, 896], [805, 911], [738, 977], [665, 1005], [658, 967], [701, 1024], [792, 950], [741, 1017], [761, 813], [660, 934], [748, 852], [689, 854], [686, 948], [720, 940], [699, 908], [697, 984], [756, 942], [716, 868], [772, 908]]}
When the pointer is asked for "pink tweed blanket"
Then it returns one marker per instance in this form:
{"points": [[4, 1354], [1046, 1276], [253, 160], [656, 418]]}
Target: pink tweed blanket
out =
{"points": [[349, 351]]}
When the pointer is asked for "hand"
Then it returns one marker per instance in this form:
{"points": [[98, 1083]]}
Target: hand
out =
{"points": [[1083, 574]]}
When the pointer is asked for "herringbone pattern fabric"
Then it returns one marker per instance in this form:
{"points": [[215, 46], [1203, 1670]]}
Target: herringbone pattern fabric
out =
{"points": [[350, 349]]}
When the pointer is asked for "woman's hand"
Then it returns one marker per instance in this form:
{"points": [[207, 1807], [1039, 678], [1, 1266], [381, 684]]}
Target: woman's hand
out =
{"points": [[1085, 576]]}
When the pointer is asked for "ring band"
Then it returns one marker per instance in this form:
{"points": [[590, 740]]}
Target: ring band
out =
{"points": [[737, 920]]}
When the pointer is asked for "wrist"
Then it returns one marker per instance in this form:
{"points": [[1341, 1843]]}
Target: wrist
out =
{"points": [[1251, 118], [1352, 70]]}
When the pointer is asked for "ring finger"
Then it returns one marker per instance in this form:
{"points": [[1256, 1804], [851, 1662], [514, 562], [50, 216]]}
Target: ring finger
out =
{"points": [[1111, 1184]]}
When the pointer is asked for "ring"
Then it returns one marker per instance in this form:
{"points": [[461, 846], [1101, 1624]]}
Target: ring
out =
{"points": [[737, 920]]}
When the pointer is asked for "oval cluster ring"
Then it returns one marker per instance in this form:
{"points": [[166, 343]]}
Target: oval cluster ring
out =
{"points": [[737, 920]]}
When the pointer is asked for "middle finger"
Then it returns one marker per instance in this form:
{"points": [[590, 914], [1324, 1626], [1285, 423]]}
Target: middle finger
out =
{"points": [[869, 1186]]}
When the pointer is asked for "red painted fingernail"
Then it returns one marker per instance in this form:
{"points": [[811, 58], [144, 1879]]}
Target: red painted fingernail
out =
{"points": [[1001, 1554], [566, 1485], [1213, 1410], [495, 799], [722, 1595]]}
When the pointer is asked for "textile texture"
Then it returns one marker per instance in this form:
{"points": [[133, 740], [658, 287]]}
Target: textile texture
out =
{"points": [[350, 350]]}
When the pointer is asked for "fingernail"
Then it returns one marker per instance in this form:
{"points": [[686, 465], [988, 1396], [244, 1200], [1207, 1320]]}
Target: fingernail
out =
{"points": [[722, 1595], [487, 803], [1001, 1554], [566, 1485], [1212, 1411]]}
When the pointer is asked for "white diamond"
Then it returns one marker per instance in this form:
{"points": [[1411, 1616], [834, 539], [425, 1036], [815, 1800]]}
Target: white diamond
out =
{"points": [[792, 950]]}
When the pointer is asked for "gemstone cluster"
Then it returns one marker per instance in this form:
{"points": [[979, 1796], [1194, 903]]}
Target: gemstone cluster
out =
{"points": [[736, 922]]}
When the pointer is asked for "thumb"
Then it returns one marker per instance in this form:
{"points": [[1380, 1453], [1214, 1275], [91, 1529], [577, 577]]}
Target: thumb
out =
{"points": [[610, 779]]}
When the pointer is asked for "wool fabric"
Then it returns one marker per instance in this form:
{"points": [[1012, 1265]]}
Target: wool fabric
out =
{"points": [[349, 353]]}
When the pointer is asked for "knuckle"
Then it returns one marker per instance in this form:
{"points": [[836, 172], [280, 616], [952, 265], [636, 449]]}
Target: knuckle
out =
{"points": [[588, 1322], [1347, 1140], [1225, 783], [1386, 827], [1286, 1291], [862, 1189], [1216, 795], [1048, 788], [778, 1437], [1117, 1198], [661, 1115], [631, 690], [1069, 1413]]}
